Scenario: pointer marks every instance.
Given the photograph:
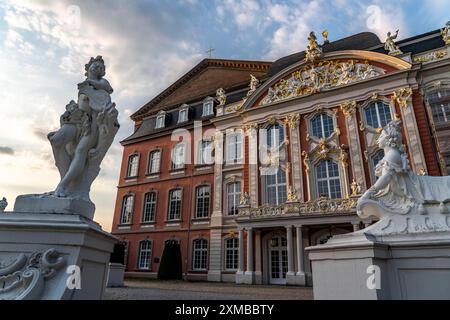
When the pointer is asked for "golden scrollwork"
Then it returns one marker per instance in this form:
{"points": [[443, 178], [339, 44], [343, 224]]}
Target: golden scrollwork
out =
{"points": [[250, 126], [356, 188], [348, 108], [402, 96], [362, 126], [292, 120], [292, 194], [305, 160], [432, 56], [343, 157]]}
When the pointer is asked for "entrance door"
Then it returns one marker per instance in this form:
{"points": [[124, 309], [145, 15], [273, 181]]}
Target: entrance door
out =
{"points": [[278, 260]]}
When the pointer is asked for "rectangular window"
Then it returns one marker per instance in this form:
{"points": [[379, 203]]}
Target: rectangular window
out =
{"points": [[234, 195], [231, 254], [183, 115], [205, 153], [145, 255], [160, 121], [178, 156], [208, 108], [174, 205], [148, 214], [133, 166], [234, 148], [127, 209], [200, 255], [202, 202], [154, 162]]}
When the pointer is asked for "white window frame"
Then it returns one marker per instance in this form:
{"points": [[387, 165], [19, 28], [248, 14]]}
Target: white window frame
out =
{"points": [[154, 167], [277, 185], [152, 204], [177, 164], [328, 178], [126, 217], [234, 254], [145, 253], [203, 255], [205, 154], [160, 120], [131, 163], [322, 126], [235, 195], [183, 114], [234, 147], [176, 215], [271, 131], [377, 112], [203, 198], [208, 107]]}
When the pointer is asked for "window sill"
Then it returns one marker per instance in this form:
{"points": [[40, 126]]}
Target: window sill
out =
{"points": [[124, 226], [128, 179], [153, 175], [200, 221], [198, 271], [177, 171], [147, 225]]}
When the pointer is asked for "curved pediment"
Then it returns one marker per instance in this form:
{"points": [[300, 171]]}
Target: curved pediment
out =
{"points": [[334, 70]]}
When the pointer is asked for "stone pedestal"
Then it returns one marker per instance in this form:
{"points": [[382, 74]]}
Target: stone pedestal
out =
{"points": [[52, 256], [247, 277], [116, 273], [296, 279], [361, 266]]}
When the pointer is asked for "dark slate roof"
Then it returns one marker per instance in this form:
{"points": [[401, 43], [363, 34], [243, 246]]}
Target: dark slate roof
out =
{"points": [[358, 41]]}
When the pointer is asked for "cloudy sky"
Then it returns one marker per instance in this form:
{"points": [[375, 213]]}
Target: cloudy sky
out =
{"points": [[147, 45]]}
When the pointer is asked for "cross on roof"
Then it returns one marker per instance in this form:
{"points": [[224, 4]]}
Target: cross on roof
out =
{"points": [[210, 51]]}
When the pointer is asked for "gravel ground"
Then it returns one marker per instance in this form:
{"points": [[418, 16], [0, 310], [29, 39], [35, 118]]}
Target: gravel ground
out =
{"points": [[185, 290]]}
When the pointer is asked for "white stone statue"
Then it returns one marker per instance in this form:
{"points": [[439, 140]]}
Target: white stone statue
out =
{"points": [[254, 82], [3, 204], [446, 33], [221, 96], [88, 128], [404, 201], [390, 46]]}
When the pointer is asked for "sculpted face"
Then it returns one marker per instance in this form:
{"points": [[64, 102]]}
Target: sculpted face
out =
{"points": [[96, 70], [382, 139]]}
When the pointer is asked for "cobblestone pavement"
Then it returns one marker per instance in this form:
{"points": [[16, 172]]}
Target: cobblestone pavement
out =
{"points": [[184, 290]]}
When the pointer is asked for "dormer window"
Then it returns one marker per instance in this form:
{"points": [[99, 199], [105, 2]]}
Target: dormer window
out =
{"points": [[183, 114], [160, 120], [208, 107]]}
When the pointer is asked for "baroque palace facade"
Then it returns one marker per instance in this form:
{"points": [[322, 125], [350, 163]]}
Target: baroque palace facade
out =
{"points": [[246, 176]]}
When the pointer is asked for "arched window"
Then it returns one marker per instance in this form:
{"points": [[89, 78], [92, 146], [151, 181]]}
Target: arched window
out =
{"points": [[275, 135], [148, 214], [200, 254], [231, 253], [202, 196], [154, 161], [178, 156], [174, 212], [378, 114], [127, 209], [322, 126], [439, 101], [328, 180], [145, 255], [233, 197], [275, 186], [133, 166]]}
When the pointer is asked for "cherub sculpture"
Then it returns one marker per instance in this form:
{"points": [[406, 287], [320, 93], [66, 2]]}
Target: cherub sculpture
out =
{"points": [[404, 201], [390, 46], [221, 96], [446, 33], [3, 204], [87, 131]]}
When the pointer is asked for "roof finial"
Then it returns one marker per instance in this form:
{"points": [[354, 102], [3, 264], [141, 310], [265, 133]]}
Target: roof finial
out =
{"points": [[313, 50], [210, 51]]}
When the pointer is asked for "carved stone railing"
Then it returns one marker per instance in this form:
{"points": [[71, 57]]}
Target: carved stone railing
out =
{"points": [[317, 207]]}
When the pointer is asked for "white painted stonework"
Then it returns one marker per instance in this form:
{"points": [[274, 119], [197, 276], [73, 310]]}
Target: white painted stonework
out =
{"points": [[406, 254], [50, 248], [116, 274]]}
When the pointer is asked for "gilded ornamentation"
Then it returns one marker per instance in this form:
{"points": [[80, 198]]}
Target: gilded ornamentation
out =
{"points": [[431, 56], [221, 96], [250, 126], [292, 120], [390, 46], [244, 200], [292, 194], [402, 96], [362, 126], [375, 96], [313, 50], [305, 160], [422, 172], [348, 108], [324, 150], [324, 75], [356, 188], [325, 36], [446, 33], [343, 157], [254, 82]]}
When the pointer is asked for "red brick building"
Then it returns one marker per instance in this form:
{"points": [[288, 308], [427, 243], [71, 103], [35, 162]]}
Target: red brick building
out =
{"points": [[284, 154]]}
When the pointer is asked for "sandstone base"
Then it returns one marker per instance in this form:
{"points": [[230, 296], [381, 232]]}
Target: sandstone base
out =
{"points": [[38, 203], [363, 267], [116, 273], [52, 256]]}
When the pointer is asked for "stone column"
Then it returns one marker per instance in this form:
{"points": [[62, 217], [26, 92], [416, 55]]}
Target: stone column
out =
{"points": [[355, 225], [356, 157], [258, 258], [300, 275], [215, 243], [252, 132], [295, 154], [290, 250], [240, 273], [249, 250]]}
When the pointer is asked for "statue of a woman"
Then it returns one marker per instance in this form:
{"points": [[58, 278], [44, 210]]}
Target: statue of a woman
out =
{"points": [[87, 131]]}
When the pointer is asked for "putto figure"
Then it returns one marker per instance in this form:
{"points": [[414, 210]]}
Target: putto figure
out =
{"points": [[87, 131], [404, 201], [3, 204], [446, 33], [390, 46]]}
